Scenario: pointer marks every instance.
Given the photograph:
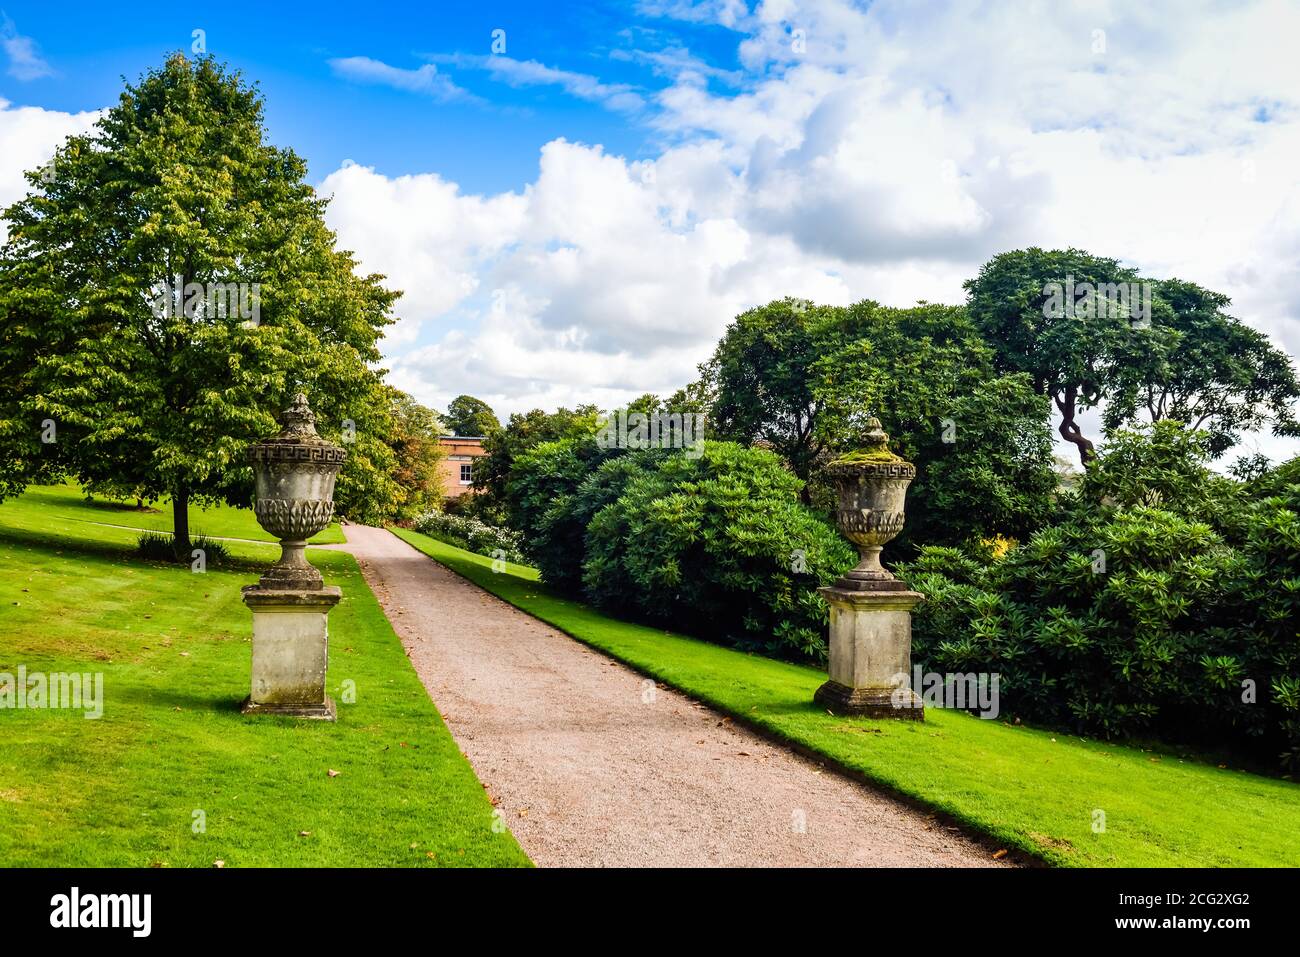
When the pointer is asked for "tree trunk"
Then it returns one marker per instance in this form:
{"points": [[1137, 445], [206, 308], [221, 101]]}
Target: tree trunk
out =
{"points": [[181, 525], [1069, 429]]}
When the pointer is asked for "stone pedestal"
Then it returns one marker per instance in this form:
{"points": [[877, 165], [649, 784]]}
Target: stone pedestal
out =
{"points": [[870, 647], [290, 651]]}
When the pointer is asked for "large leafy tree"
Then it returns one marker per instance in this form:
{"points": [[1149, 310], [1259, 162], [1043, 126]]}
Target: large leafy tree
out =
{"points": [[980, 439], [1068, 353], [760, 380], [1205, 369], [153, 387], [414, 441], [1185, 359], [467, 415], [803, 380]]}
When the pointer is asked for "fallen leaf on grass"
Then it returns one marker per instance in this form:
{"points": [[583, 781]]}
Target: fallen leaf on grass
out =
{"points": [[332, 773]]}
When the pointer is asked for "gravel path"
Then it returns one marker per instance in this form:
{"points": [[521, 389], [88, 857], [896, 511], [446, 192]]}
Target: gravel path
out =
{"points": [[593, 765]]}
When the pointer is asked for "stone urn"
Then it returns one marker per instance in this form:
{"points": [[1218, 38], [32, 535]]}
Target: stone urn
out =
{"points": [[870, 487], [870, 655], [295, 471]]}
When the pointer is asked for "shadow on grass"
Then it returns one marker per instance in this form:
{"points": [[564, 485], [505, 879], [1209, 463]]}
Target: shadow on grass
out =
{"points": [[185, 700], [120, 507], [68, 544]]}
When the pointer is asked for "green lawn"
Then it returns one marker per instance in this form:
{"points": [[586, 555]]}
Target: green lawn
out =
{"points": [[68, 503], [174, 650], [1033, 790]]}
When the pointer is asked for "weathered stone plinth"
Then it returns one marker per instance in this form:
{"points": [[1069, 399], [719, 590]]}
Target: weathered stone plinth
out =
{"points": [[870, 646], [290, 651]]}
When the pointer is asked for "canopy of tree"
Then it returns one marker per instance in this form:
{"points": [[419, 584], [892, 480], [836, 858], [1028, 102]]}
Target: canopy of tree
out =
{"points": [[467, 415], [166, 285], [1072, 322], [802, 380]]}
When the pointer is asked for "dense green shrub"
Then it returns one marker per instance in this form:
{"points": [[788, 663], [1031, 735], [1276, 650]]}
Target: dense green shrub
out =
{"points": [[718, 546], [542, 482], [471, 534], [555, 489], [1125, 618], [157, 547]]}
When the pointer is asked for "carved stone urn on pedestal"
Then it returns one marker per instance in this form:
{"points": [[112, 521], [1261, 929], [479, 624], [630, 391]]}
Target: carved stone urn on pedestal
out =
{"points": [[294, 471], [870, 609]]}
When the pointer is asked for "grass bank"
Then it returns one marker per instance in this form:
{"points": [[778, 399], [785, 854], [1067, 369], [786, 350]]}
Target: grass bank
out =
{"points": [[172, 774]]}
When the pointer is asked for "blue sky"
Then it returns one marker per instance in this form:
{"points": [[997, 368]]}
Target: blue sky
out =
{"points": [[486, 145], [578, 217]]}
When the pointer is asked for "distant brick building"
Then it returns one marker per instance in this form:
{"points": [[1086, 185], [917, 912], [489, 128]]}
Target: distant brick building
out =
{"points": [[457, 465]]}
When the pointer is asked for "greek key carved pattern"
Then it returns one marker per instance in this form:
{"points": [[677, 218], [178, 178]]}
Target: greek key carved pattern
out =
{"points": [[303, 454], [891, 470]]}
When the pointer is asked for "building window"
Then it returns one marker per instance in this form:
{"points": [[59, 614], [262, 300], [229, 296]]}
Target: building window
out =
{"points": [[465, 472]]}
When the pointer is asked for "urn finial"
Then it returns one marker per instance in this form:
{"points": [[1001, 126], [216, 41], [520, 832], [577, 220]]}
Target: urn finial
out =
{"points": [[298, 419], [877, 440]]}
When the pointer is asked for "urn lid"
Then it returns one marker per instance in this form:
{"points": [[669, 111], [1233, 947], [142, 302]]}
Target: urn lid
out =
{"points": [[873, 458], [297, 439]]}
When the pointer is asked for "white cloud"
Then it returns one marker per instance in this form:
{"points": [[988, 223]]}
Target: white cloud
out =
{"points": [[25, 60], [727, 13], [425, 80], [522, 73], [421, 232], [28, 138], [678, 63], [904, 146]]}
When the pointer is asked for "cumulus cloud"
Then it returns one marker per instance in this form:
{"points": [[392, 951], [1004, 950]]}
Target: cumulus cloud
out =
{"points": [[428, 238], [882, 153], [28, 137]]}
